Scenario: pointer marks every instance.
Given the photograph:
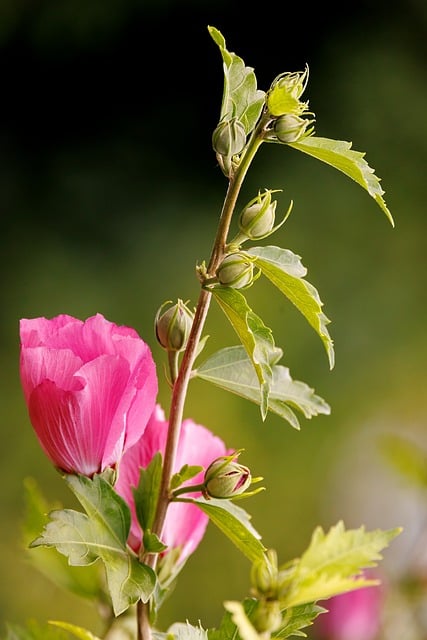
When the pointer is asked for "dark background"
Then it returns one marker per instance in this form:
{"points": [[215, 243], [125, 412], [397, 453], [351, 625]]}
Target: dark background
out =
{"points": [[110, 195]]}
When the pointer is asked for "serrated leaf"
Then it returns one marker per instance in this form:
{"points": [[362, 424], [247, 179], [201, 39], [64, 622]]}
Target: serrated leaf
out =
{"points": [[340, 155], [86, 582], [231, 369], [101, 534], [78, 632], [285, 270], [333, 563], [146, 493], [244, 626], [297, 618], [256, 338], [234, 522], [241, 98]]}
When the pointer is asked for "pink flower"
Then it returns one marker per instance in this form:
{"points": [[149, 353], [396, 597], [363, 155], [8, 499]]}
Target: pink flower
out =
{"points": [[185, 523], [90, 388], [355, 615]]}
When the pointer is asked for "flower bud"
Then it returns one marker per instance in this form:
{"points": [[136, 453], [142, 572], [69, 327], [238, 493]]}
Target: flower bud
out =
{"points": [[290, 128], [257, 218], [267, 616], [236, 270], [264, 575], [225, 478], [229, 138], [173, 326]]}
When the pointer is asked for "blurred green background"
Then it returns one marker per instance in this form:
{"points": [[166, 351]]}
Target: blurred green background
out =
{"points": [[110, 195]]}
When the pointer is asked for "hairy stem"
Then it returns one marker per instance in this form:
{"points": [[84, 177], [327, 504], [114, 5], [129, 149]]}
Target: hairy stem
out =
{"points": [[180, 387]]}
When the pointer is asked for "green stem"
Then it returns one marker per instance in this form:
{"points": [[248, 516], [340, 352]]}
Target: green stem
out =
{"points": [[180, 387]]}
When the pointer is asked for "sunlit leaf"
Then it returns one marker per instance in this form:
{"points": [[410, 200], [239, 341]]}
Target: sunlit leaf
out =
{"points": [[244, 626], [100, 533], [340, 155], [333, 563], [284, 269], [297, 618], [256, 338], [35, 630], [84, 582], [241, 98], [234, 522], [231, 369]]}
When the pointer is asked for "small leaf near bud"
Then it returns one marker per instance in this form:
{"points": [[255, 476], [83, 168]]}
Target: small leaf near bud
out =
{"points": [[264, 575], [225, 478], [173, 326], [229, 138], [290, 128], [236, 270]]}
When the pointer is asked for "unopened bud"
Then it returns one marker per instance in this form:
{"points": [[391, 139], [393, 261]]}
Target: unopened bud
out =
{"points": [[290, 128], [264, 575], [267, 616], [173, 326], [226, 478], [236, 271], [229, 138], [257, 218]]}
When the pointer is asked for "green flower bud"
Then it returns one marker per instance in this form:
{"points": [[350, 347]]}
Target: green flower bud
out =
{"points": [[229, 138], [225, 478], [264, 575], [267, 616], [290, 128], [236, 270], [257, 219], [173, 326]]}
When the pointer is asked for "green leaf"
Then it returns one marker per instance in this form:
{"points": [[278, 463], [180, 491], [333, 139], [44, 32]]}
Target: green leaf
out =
{"points": [[340, 155], [239, 617], [234, 522], [231, 369], [228, 629], [241, 98], [101, 534], [147, 493], [297, 618], [333, 563], [87, 582], [34, 631], [187, 472], [78, 632], [256, 338], [285, 270], [152, 543]]}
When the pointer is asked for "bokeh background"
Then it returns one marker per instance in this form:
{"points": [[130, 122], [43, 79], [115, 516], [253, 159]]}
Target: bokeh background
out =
{"points": [[110, 195]]}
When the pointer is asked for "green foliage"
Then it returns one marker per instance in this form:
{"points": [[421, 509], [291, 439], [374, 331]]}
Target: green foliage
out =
{"points": [[234, 522], [284, 269], [102, 534], [78, 632], [256, 338], [340, 155], [84, 583], [35, 631], [332, 564], [231, 369], [241, 98]]}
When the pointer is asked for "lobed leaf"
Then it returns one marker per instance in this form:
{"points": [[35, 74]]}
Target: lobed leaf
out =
{"points": [[297, 618], [285, 270], [231, 369], [241, 98], [333, 563], [100, 533], [340, 155]]}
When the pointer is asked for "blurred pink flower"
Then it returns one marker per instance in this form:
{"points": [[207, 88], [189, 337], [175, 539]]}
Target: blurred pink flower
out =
{"points": [[185, 523], [355, 615], [90, 388]]}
